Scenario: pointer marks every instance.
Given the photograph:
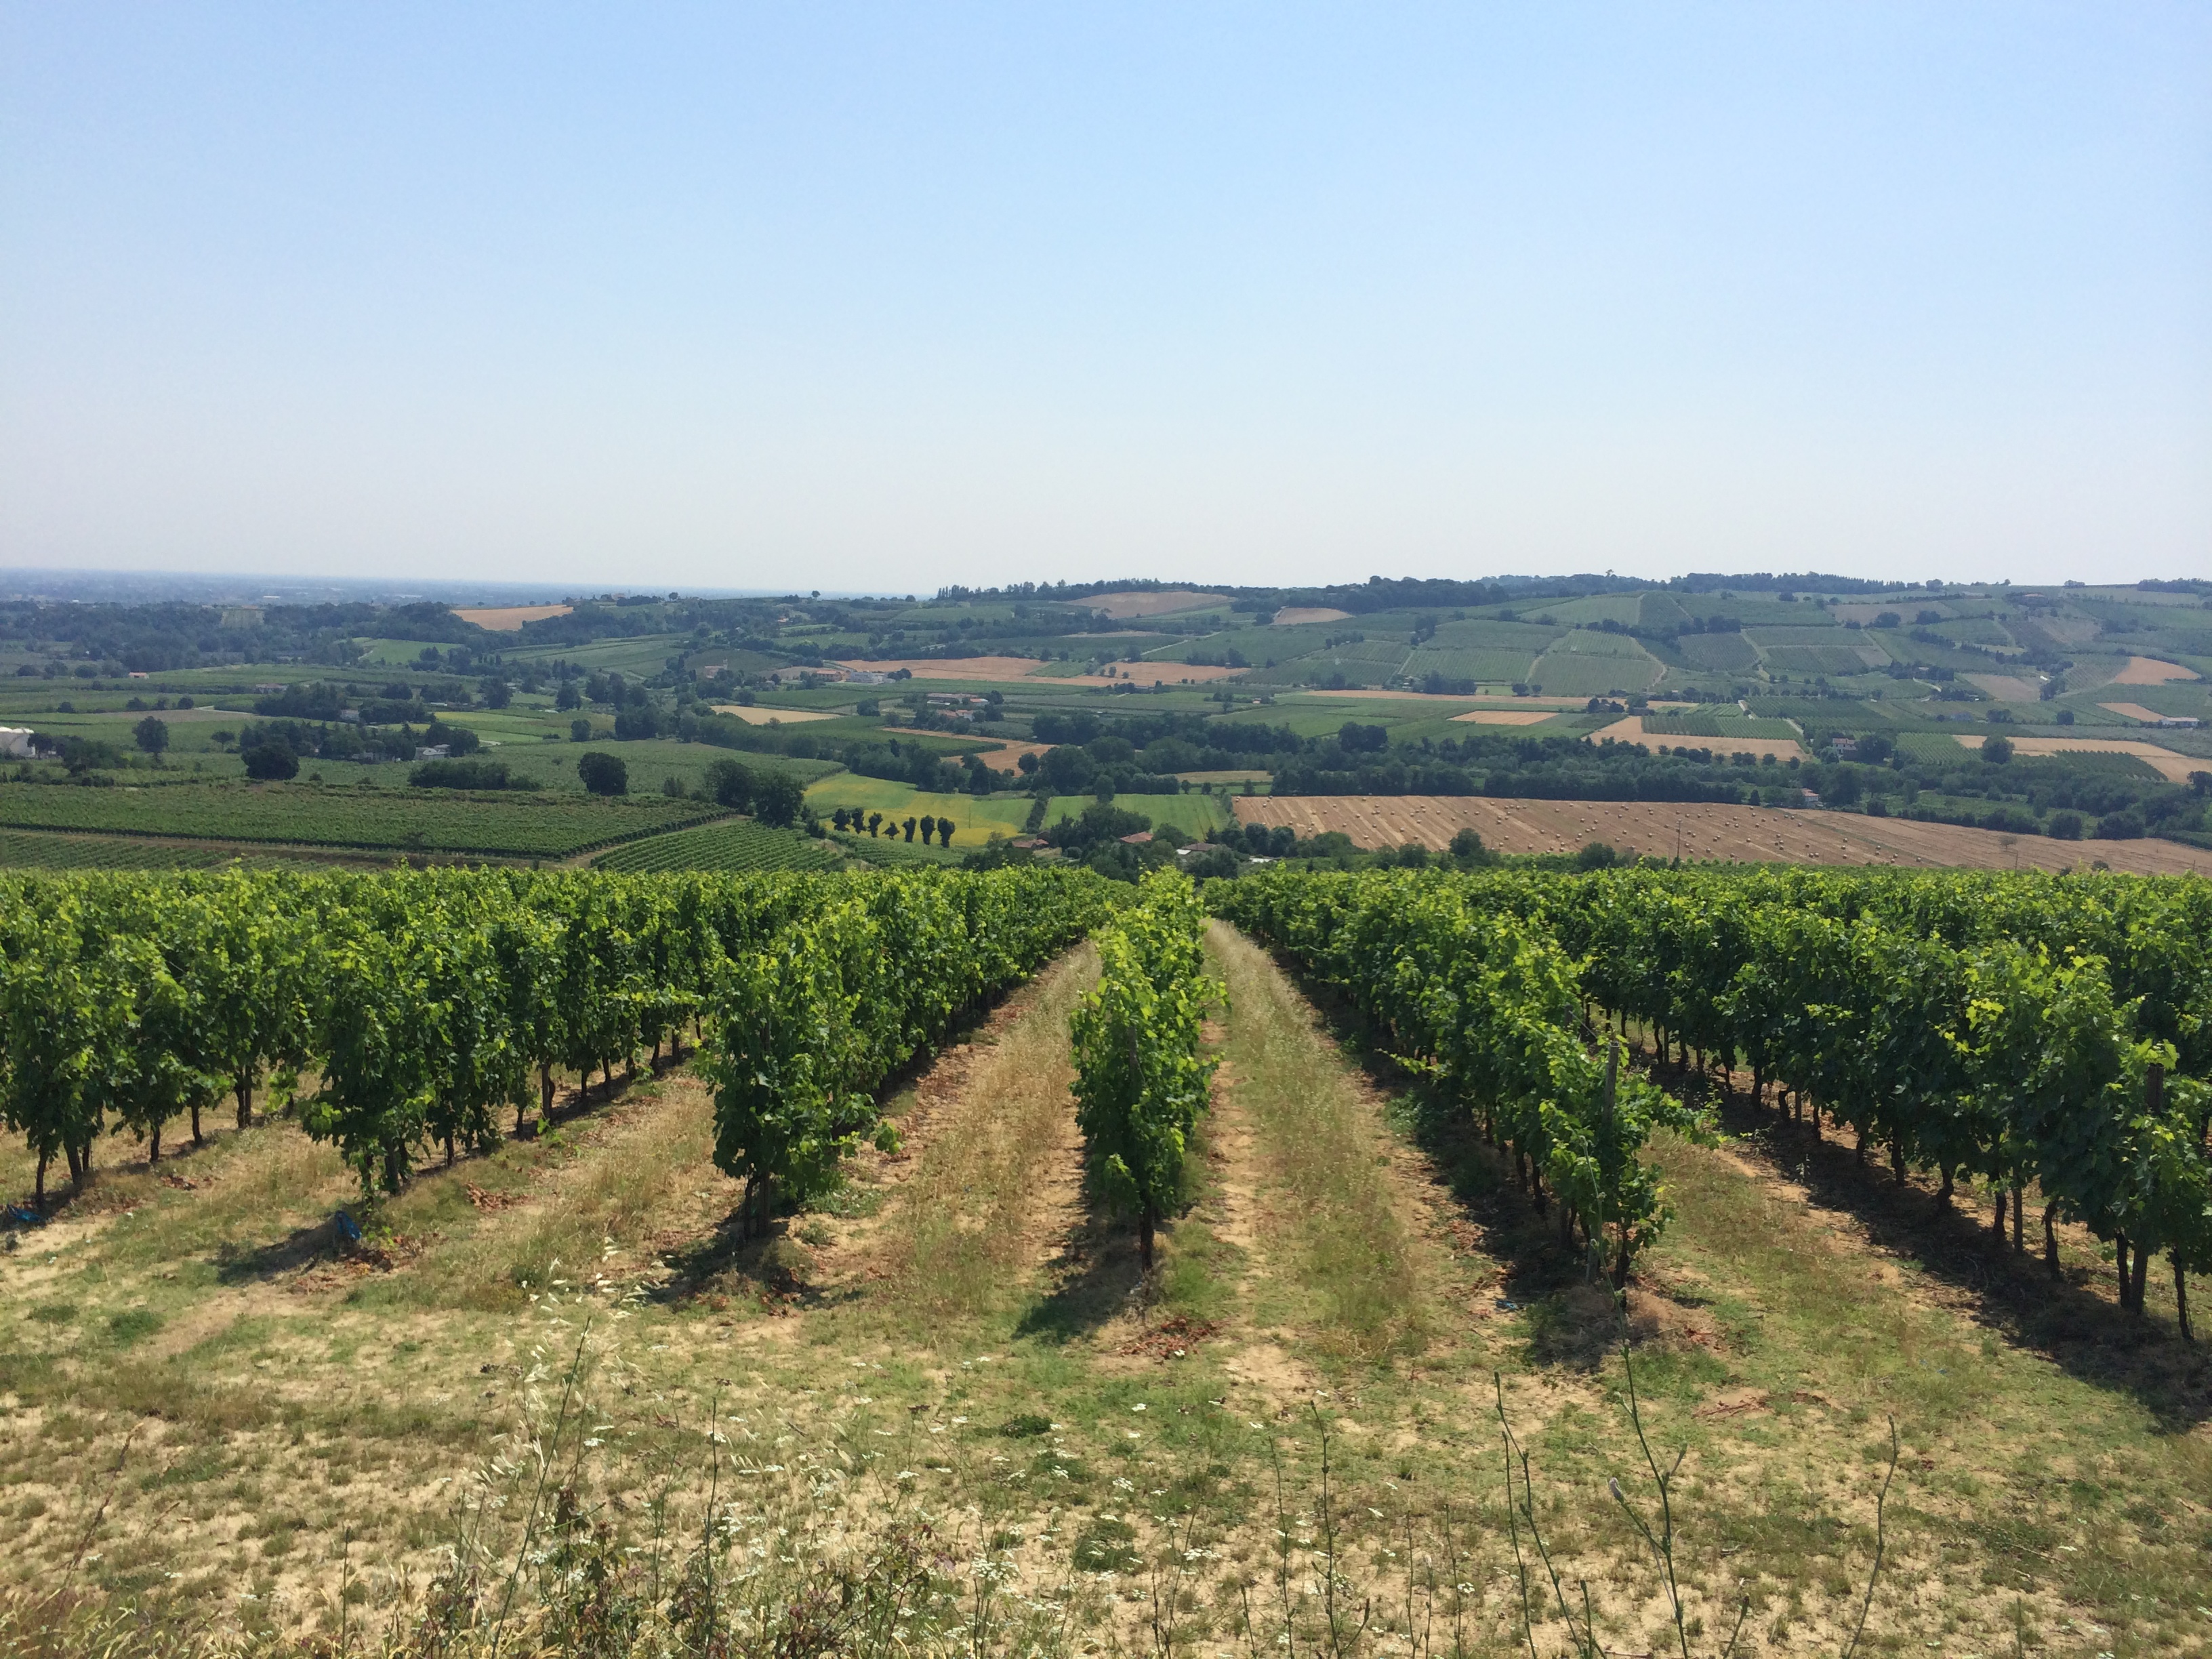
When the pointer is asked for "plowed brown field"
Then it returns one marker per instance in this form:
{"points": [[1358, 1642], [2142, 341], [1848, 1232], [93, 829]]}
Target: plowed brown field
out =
{"points": [[1737, 834]]}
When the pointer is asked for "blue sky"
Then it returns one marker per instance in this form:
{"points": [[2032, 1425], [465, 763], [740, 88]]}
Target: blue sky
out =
{"points": [[884, 297]]}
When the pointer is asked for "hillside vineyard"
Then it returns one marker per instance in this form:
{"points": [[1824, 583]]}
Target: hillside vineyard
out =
{"points": [[423, 1005], [2030, 1032]]}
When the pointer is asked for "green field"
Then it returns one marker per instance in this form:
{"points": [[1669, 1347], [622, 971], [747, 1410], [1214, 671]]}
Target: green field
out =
{"points": [[739, 845], [977, 816], [1195, 814], [520, 826], [649, 760]]}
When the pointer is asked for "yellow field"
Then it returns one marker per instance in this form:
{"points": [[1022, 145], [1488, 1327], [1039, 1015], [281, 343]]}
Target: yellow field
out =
{"points": [[509, 618], [1763, 835], [755, 715], [1632, 730]]}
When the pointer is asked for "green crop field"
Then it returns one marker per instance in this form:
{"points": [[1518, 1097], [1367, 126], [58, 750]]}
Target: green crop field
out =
{"points": [[519, 824], [975, 814]]}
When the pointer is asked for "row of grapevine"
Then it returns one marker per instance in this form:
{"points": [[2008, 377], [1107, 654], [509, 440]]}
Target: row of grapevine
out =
{"points": [[1141, 1080], [2029, 1031], [807, 1025], [1490, 1006], [421, 1003]]}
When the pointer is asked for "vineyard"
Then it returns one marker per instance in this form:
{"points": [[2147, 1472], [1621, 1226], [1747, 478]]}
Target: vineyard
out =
{"points": [[642, 1166], [31, 850], [425, 1005], [734, 848], [2021, 1031], [544, 826]]}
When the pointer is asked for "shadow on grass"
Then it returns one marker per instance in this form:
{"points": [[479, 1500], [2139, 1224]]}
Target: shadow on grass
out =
{"points": [[2066, 1319], [1097, 1277]]}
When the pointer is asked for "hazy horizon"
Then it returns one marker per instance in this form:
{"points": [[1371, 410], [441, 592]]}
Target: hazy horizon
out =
{"points": [[872, 300]]}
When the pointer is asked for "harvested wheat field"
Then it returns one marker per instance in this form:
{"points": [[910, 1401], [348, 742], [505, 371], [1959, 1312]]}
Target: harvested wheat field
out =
{"points": [[509, 618], [754, 714], [1291, 615], [2150, 670], [1632, 730], [1763, 835]]}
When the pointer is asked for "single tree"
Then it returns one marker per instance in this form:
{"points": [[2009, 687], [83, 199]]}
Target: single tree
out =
{"points": [[908, 826], [731, 783], [875, 822], [928, 828], [151, 734], [270, 761], [944, 828], [777, 797], [604, 774]]}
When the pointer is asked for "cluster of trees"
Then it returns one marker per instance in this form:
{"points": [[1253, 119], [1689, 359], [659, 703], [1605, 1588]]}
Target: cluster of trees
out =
{"points": [[167, 636], [806, 1025], [1543, 768], [2029, 1031], [1141, 1076], [1490, 1005], [916, 763], [426, 1004]]}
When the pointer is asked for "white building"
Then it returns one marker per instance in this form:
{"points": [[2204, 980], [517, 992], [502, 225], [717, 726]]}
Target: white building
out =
{"points": [[15, 743]]}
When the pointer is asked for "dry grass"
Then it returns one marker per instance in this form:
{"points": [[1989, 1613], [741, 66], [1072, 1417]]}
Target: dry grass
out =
{"points": [[1321, 1150], [965, 1232]]}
